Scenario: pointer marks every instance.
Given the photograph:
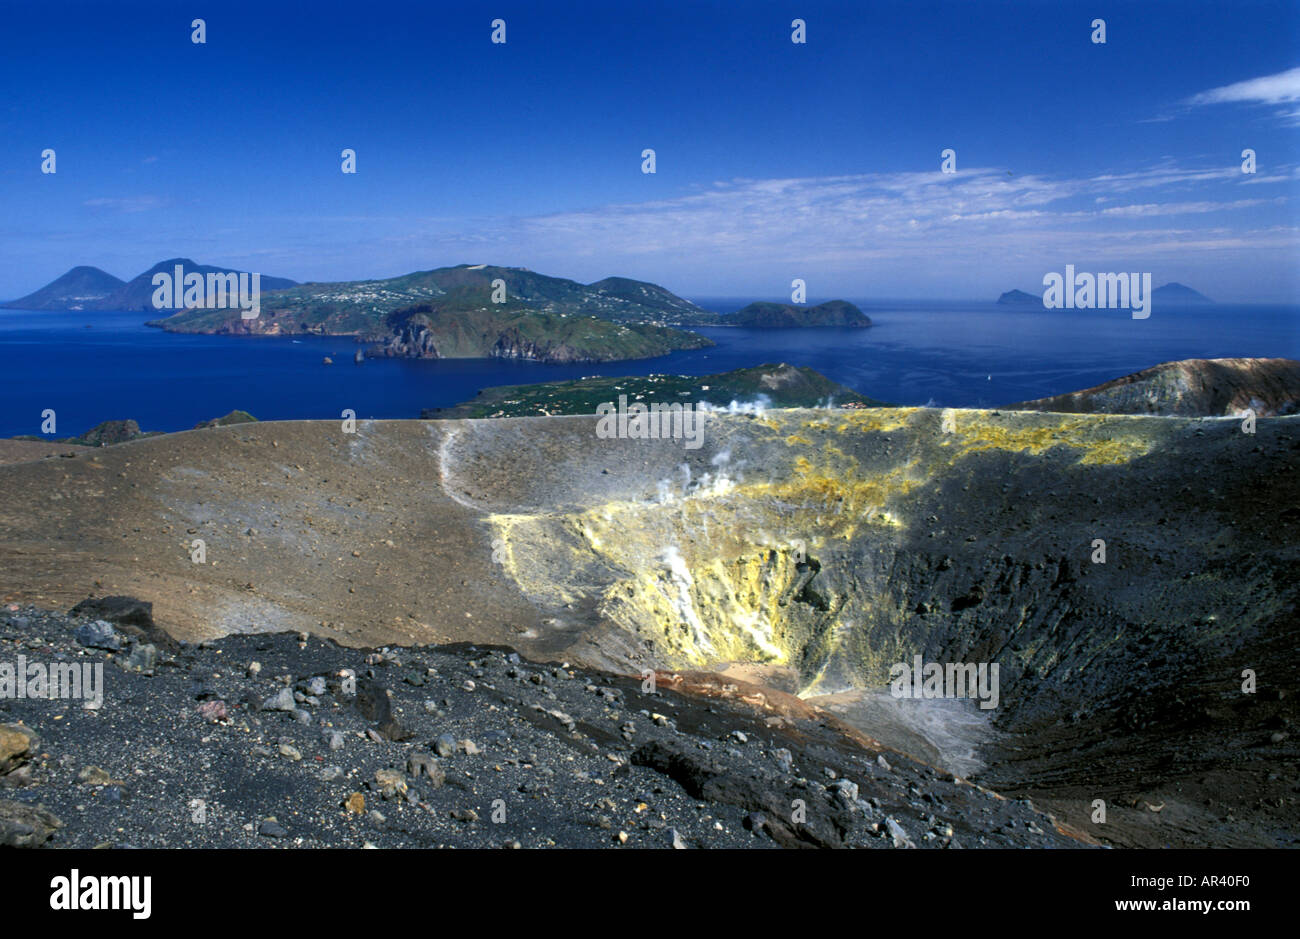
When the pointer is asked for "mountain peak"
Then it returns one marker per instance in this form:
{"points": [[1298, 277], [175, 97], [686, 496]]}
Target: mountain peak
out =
{"points": [[90, 289], [79, 289], [1174, 292]]}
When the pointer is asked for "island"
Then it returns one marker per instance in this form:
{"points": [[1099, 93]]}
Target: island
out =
{"points": [[82, 288], [90, 289], [1019, 298], [1176, 294], [763, 315]]}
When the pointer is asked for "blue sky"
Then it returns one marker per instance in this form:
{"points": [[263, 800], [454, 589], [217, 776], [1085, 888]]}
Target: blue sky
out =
{"points": [[774, 160]]}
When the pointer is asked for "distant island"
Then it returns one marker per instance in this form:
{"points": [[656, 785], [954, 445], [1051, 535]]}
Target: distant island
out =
{"points": [[790, 315], [91, 290], [82, 288], [775, 386], [1019, 298], [1176, 294], [1170, 294]]}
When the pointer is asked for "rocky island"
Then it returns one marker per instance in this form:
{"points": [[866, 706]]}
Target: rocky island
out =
{"points": [[1176, 294], [1172, 294], [1019, 298], [764, 315]]}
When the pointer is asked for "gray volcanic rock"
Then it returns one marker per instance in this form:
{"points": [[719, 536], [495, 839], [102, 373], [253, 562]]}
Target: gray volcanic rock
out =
{"points": [[99, 635], [131, 616], [1189, 388], [249, 777], [26, 826]]}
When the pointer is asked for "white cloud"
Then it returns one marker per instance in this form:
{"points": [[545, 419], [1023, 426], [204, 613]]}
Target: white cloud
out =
{"points": [[1269, 89], [874, 233], [1282, 88]]}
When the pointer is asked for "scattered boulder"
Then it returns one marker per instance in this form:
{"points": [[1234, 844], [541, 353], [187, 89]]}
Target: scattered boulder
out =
{"points": [[445, 745], [143, 656], [26, 826], [375, 702], [96, 776], [390, 782], [131, 616], [17, 744], [281, 701], [899, 836], [213, 711], [710, 781], [99, 635], [846, 792], [423, 763]]}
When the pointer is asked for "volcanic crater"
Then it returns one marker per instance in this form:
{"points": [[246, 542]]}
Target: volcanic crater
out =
{"points": [[808, 550]]}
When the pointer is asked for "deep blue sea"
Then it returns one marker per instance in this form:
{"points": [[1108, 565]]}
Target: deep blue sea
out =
{"points": [[91, 367]]}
